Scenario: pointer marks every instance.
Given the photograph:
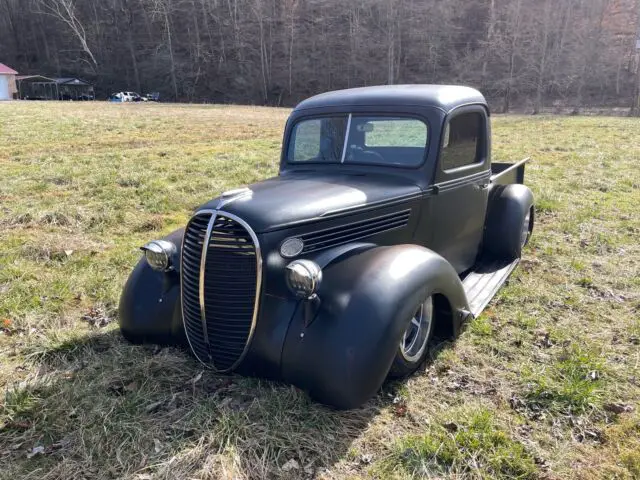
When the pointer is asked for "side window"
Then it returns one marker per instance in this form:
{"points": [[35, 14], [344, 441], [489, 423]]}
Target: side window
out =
{"points": [[462, 145], [307, 141]]}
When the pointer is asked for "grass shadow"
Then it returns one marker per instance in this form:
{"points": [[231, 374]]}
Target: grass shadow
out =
{"points": [[99, 407]]}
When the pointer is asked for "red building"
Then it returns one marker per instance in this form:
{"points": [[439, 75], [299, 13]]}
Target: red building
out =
{"points": [[7, 82]]}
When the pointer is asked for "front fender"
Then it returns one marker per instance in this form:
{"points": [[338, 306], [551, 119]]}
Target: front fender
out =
{"points": [[150, 307], [343, 356]]}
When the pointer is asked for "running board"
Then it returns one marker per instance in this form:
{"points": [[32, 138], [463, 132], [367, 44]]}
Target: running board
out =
{"points": [[484, 281]]}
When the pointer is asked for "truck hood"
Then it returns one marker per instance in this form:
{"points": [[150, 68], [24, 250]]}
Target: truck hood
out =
{"points": [[292, 199]]}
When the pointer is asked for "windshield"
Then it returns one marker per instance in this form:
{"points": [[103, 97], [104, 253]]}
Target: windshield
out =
{"points": [[377, 140]]}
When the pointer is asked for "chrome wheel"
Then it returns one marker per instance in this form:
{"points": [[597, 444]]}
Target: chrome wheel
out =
{"points": [[415, 338], [524, 234]]}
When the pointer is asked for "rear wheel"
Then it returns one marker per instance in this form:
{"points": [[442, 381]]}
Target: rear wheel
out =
{"points": [[414, 344], [527, 228]]}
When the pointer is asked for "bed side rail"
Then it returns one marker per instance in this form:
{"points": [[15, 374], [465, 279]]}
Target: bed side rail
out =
{"points": [[507, 173]]}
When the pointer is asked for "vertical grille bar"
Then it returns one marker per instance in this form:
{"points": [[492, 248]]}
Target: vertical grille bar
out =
{"points": [[192, 249], [203, 263], [221, 280]]}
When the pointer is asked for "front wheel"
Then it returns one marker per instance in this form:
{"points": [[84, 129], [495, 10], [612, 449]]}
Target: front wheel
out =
{"points": [[414, 344]]}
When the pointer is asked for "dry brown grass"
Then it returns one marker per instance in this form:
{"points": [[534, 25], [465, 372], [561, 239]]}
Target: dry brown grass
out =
{"points": [[545, 384]]}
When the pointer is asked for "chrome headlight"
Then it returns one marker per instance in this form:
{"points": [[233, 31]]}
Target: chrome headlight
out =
{"points": [[159, 254], [303, 278]]}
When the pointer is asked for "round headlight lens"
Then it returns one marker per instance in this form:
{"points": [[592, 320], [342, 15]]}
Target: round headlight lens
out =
{"points": [[303, 278], [159, 254]]}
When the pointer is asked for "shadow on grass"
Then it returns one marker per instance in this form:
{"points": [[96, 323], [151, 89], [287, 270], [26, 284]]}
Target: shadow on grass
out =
{"points": [[103, 408]]}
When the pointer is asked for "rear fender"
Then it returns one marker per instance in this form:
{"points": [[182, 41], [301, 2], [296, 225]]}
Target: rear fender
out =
{"points": [[507, 209], [150, 307], [343, 356]]}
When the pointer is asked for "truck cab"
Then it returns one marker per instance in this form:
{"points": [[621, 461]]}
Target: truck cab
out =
{"points": [[386, 225], [437, 138]]}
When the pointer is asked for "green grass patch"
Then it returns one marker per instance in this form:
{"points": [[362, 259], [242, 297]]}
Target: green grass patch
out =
{"points": [[573, 382], [481, 326], [472, 444]]}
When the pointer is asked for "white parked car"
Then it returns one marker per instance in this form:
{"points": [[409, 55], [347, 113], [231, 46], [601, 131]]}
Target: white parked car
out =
{"points": [[126, 97]]}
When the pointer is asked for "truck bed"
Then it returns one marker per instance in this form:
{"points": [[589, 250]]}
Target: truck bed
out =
{"points": [[507, 173]]}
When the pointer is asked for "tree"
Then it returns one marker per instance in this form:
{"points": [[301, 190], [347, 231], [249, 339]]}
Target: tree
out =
{"points": [[65, 10], [635, 101], [517, 52]]}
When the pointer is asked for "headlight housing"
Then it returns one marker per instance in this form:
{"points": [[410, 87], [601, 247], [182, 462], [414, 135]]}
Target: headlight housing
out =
{"points": [[159, 255], [303, 278]]}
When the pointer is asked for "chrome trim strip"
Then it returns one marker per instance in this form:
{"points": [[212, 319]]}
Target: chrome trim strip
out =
{"points": [[346, 139], [203, 263], [462, 181], [184, 321], [254, 319]]}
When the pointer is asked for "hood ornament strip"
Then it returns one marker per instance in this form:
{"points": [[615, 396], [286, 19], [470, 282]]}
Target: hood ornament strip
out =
{"points": [[232, 195]]}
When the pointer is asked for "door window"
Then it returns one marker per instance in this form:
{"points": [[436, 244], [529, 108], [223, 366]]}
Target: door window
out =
{"points": [[462, 145], [318, 140]]}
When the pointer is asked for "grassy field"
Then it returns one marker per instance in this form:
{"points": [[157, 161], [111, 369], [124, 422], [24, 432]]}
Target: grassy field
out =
{"points": [[545, 384]]}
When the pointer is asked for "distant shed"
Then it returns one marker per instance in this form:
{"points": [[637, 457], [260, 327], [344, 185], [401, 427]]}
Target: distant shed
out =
{"points": [[7, 82], [38, 87], [72, 88]]}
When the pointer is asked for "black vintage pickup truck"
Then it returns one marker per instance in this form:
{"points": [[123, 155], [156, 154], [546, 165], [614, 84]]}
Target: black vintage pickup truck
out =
{"points": [[386, 225]]}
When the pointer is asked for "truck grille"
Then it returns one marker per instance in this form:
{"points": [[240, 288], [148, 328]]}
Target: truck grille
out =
{"points": [[221, 273]]}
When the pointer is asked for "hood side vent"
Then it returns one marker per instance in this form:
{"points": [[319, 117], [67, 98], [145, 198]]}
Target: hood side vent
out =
{"points": [[332, 237]]}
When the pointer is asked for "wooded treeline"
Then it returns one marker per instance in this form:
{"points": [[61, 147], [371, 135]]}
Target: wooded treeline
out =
{"points": [[520, 53]]}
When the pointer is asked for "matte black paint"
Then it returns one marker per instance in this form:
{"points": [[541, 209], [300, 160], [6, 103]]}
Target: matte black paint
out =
{"points": [[460, 207], [367, 301], [371, 285], [443, 97], [149, 308], [509, 207], [282, 202]]}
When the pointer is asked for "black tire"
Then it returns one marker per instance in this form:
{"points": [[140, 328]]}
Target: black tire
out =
{"points": [[414, 345], [131, 338], [528, 228]]}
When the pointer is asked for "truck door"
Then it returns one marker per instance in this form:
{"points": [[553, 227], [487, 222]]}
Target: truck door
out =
{"points": [[459, 203]]}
